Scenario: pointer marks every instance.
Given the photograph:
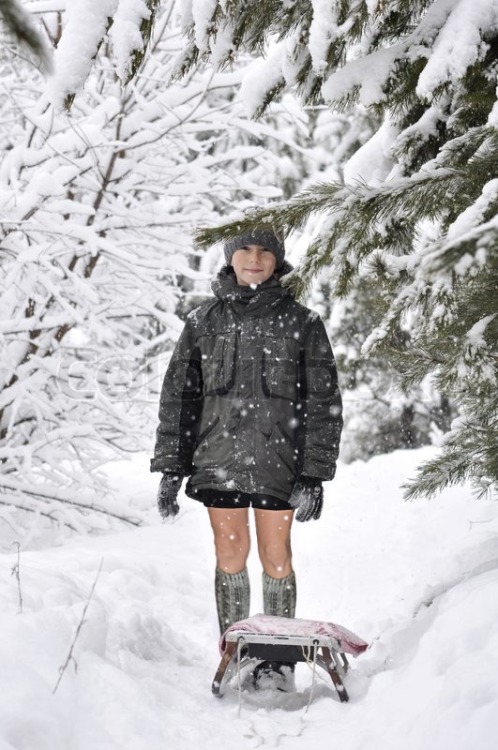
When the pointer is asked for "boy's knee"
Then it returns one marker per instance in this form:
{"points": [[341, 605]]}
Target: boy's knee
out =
{"points": [[232, 550], [276, 559]]}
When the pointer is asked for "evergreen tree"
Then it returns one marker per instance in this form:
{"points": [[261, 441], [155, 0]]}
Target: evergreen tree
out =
{"points": [[421, 229]]}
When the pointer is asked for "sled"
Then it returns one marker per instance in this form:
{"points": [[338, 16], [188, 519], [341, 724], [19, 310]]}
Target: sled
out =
{"points": [[267, 638]]}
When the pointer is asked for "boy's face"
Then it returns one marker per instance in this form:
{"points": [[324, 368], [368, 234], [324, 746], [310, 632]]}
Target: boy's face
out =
{"points": [[253, 264]]}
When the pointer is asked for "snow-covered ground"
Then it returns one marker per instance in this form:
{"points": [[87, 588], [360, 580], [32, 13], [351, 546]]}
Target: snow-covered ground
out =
{"points": [[418, 581]]}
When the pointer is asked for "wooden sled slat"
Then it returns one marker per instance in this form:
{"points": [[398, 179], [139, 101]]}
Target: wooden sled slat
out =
{"points": [[219, 678]]}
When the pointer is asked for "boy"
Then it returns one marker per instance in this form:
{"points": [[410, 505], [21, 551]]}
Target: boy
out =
{"points": [[250, 411]]}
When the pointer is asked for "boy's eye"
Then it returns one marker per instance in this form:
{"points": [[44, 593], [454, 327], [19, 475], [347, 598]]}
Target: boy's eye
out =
{"points": [[261, 249]]}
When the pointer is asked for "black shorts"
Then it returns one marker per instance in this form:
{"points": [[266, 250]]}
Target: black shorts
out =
{"points": [[232, 500]]}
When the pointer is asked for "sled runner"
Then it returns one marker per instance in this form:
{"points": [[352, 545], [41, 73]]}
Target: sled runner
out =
{"points": [[268, 638]]}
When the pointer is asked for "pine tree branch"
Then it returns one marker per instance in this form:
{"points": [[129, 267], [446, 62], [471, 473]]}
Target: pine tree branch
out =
{"points": [[137, 56], [24, 32]]}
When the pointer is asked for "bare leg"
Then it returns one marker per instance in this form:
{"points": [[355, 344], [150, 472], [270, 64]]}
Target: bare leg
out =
{"points": [[231, 538], [232, 586], [273, 529]]}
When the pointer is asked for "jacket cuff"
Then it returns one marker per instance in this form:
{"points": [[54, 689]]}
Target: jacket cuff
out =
{"points": [[165, 467], [315, 470]]}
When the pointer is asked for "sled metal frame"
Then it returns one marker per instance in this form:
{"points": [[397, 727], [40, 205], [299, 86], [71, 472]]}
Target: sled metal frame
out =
{"points": [[243, 648]]}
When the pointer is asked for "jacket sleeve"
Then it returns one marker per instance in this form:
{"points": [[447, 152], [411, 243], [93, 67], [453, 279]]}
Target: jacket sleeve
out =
{"points": [[322, 405], [180, 407]]}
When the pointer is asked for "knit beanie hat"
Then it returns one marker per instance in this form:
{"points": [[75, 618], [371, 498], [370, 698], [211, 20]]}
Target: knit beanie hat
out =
{"points": [[264, 236]]}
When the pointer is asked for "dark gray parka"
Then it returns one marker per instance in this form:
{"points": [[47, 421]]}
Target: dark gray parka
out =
{"points": [[250, 399]]}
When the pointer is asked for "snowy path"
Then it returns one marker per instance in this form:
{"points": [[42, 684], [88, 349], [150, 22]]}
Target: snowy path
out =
{"points": [[419, 581]]}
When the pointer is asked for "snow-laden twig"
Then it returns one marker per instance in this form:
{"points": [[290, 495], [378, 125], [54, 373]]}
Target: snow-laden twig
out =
{"points": [[16, 571], [53, 495], [70, 658]]}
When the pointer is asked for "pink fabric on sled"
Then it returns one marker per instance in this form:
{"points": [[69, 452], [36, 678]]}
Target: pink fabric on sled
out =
{"points": [[272, 625]]}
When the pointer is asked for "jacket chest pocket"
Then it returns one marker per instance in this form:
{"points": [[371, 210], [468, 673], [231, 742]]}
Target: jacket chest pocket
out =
{"points": [[280, 368], [218, 361]]}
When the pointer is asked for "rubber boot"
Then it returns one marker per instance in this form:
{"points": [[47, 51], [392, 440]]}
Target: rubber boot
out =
{"points": [[279, 598], [233, 596]]}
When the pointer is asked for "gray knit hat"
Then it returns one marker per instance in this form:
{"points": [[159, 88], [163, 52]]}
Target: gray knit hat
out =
{"points": [[263, 236]]}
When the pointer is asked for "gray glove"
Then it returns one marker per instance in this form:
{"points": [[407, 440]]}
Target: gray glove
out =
{"points": [[169, 487], [307, 498]]}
